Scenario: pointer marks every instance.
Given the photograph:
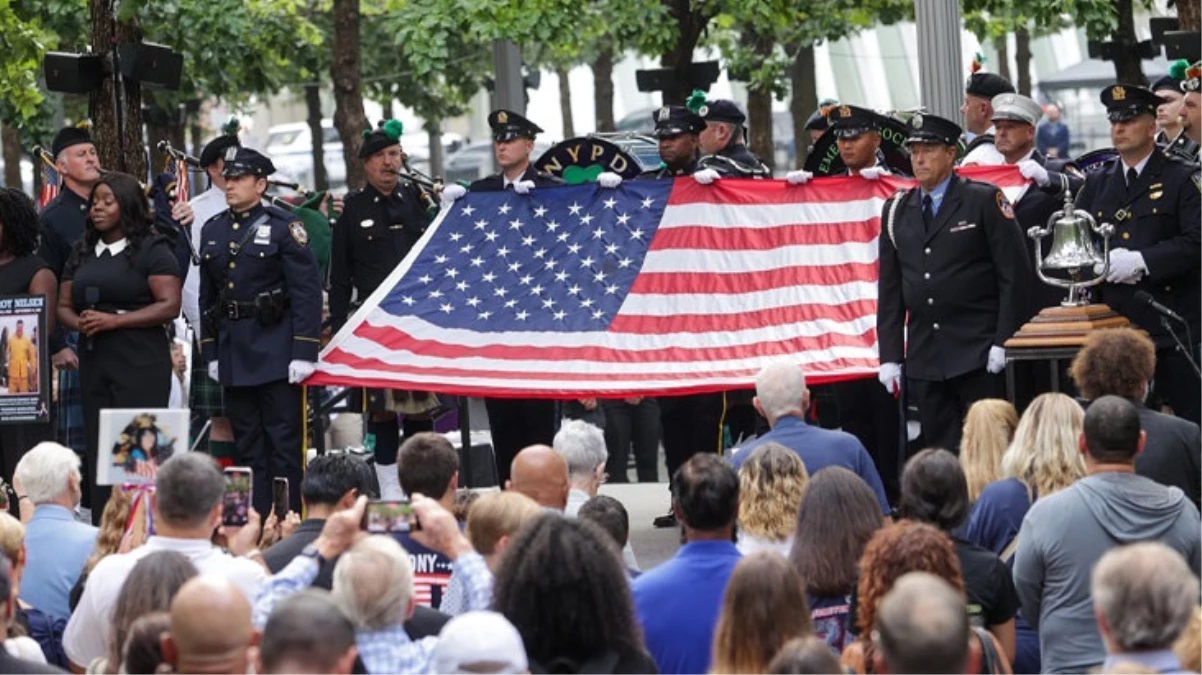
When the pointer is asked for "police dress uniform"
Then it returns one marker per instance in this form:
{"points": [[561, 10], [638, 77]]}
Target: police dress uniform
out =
{"points": [[260, 294], [734, 160], [981, 150], [962, 279], [1156, 215], [374, 234], [516, 422]]}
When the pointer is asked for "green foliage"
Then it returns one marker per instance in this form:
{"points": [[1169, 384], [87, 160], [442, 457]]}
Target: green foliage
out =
{"points": [[988, 19], [22, 42]]}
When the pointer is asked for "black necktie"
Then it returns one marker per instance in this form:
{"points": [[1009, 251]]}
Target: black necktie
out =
{"points": [[928, 214], [1132, 176]]}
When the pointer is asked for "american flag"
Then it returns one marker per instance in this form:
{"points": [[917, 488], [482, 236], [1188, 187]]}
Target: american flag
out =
{"points": [[656, 287], [182, 187], [50, 184]]}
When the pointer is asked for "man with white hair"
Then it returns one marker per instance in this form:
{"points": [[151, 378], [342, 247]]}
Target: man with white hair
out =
{"points": [[582, 447], [373, 582], [1143, 597], [47, 479], [782, 398]]}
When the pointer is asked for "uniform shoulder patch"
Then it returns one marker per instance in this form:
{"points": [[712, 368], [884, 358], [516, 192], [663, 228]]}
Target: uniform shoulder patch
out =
{"points": [[297, 229], [1004, 206]]}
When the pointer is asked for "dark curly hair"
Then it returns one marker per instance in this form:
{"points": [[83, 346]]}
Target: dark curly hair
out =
{"points": [[18, 223], [838, 515], [1115, 362], [136, 219], [895, 550], [934, 489], [561, 583]]}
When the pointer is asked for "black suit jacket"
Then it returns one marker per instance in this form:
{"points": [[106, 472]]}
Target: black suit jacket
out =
{"points": [[496, 182], [1034, 209], [964, 283], [1172, 454]]}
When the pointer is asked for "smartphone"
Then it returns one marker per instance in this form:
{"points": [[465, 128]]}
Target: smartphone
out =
{"points": [[279, 497], [382, 517], [237, 498]]}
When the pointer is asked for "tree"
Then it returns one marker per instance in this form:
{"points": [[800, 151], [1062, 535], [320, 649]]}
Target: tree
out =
{"points": [[349, 117]]}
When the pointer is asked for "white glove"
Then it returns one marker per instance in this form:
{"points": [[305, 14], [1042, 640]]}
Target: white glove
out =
{"points": [[997, 360], [1126, 267], [706, 176], [799, 177], [452, 192], [890, 377], [1029, 168], [609, 179], [213, 371], [299, 371], [873, 172], [523, 187]]}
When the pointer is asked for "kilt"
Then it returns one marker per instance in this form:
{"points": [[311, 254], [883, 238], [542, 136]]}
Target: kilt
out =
{"points": [[402, 401], [68, 409], [205, 397]]}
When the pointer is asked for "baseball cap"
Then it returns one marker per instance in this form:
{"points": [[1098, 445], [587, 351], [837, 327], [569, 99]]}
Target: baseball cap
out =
{"points": [[479, 642]]}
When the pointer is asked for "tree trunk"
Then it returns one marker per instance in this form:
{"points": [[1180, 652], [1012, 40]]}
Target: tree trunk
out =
{"points": [[154, 134], [1189, 15], [134, 155], [102, 102], [759, 104], [1127, 65], [804, 99], [565, 102], [1022, 60], [603, 88], [196, 133], [349, 118], [321, 180], [1001, 43], [434, 131], [690, 24], [12, 157]]}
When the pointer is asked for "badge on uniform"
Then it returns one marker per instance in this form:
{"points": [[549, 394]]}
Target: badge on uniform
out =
{"points": [[297, 229], [1004, 206], [263, 234], [963, 225], [367, 223]]}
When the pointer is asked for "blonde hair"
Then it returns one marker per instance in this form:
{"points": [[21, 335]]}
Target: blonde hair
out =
{"points": [[12, 537], [496, 515], [771, 484], [1045, 454], [988, 429], [1188, 646], [112, 527]]}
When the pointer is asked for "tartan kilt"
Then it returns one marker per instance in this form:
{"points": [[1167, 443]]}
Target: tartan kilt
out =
{"points": [[406, 402], [205, 396]]}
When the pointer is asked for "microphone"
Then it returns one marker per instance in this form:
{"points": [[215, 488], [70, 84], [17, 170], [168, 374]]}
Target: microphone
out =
{"points": [[1147, 299], [91, 298]]}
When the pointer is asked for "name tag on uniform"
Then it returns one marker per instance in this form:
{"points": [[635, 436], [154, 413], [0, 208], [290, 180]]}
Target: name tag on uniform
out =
{"points": [[963, 225], [263, 234], [367, 223]]}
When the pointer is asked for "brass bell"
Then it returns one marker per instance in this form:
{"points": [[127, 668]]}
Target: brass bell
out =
{"points": [[1073, 249]]}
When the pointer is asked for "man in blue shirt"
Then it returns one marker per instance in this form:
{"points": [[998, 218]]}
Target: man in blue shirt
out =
{"points": [[782, 398], [678, 602], [56, 545]]}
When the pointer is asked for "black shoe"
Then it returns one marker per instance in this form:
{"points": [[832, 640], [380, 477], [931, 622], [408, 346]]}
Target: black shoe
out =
{"points": [[665, 521]]}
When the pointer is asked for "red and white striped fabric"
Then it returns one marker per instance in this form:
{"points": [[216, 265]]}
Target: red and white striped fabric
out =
{"points": [[725, 279]]}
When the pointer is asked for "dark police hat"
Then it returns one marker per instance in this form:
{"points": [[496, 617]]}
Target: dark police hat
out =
{"points": [[1125, 101], [241, 161], [68, 136], [923, 128], [721, 110], [987, 85], [1166, 82], [375, 140], [507, 125], [817, 121], [672, 120], [215, 149], [849, 121]]}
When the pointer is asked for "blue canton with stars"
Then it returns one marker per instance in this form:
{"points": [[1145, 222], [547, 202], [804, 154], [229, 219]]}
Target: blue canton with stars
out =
{"points": [[559, 259]]}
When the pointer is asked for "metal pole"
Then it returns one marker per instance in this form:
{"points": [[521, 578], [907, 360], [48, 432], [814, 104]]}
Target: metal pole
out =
{"points": [[940, 70], [509, 92]]}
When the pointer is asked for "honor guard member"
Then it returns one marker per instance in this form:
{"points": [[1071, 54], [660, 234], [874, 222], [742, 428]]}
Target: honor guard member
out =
{"points": [[514, 422], [953, 259], [1168, 114], [723, 153], [1153, 202], [260, 294], [378, 226], [858, 137], [1191, 105], [978, 116], [677, 128]]}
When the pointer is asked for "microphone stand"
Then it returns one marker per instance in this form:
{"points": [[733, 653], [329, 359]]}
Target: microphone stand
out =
{"points": [[1181, 347]]}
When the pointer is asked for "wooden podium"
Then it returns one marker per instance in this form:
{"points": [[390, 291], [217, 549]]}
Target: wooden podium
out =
{"points": [[1065, 326]]}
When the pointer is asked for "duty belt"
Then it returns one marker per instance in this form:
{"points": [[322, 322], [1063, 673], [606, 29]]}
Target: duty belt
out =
{"points": [[236, 311]]}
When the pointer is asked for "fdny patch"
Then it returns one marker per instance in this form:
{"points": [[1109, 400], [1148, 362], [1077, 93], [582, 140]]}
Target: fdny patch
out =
{"points": [[297, 229], [1004, 206]]}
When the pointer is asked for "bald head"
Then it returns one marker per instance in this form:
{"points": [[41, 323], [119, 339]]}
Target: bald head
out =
{"points": [[211, 629], [542, 475]]}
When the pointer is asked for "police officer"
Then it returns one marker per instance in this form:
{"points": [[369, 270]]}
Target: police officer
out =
{"points": [[678, 129], [514, 422], [858, 134], [1153, 202], [952, 257], [977, 109], [378, 226], [722, 150], [260, 295], [1191, 109]]}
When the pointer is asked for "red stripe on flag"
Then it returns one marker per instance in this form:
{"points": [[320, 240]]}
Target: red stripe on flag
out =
{"points": [[719, 323], [765, 238], [748, 282]]}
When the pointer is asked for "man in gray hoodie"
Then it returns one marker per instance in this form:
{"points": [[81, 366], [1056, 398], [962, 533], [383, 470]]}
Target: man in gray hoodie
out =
{"points": [[1064, 535]]}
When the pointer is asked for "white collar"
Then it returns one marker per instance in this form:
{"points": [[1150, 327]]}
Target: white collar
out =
{"points": [[113, 248], [1139, 168]]}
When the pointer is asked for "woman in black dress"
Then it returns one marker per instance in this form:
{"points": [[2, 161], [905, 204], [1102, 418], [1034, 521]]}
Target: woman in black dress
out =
{"points": [[120, 289], [22, 272]]}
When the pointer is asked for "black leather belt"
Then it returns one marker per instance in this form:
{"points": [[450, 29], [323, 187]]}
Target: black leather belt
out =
{"points": [[236, 311]]}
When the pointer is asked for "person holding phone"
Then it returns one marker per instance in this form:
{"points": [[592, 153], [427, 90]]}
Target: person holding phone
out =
{"points": [[119, 289]]}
